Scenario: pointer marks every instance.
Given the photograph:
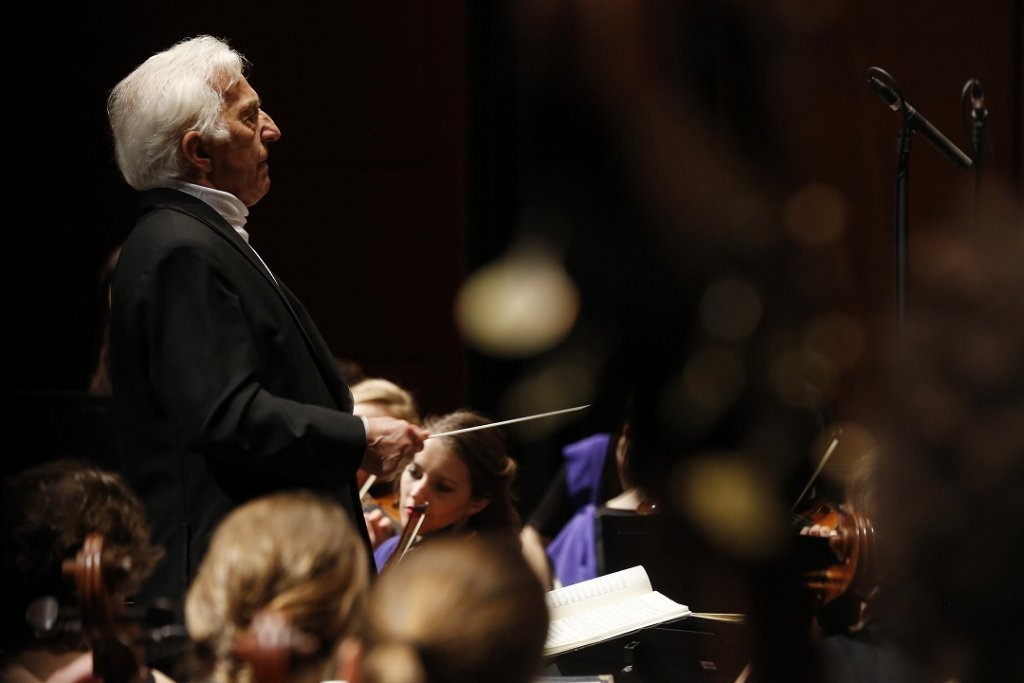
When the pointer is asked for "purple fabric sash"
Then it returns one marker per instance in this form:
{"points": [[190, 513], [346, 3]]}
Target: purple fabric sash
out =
{"points": [[572, 552]]}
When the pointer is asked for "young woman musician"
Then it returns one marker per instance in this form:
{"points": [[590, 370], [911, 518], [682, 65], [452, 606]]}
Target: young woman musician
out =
{"points": [[464, 480]]}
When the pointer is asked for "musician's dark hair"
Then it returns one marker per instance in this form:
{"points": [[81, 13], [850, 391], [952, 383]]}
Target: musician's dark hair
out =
{"points": [[46, 512]]}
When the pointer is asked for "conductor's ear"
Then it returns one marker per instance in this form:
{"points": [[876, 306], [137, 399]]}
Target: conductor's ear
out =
{"points": [[194, 149]]}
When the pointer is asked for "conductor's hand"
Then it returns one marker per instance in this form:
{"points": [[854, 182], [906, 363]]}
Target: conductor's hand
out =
{"points": [[390, 442]]}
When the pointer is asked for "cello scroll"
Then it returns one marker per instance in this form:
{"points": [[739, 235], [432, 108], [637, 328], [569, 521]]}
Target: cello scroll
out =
{"points": [[115, 642]]}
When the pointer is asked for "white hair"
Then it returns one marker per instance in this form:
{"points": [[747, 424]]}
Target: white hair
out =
{"points": [[171, 93]]}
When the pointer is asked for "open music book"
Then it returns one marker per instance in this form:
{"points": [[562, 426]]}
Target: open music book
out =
{"points": [[604, 608]]}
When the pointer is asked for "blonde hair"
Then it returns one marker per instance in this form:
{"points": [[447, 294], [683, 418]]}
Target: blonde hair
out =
{"points": [[466, 609], [396, 401], [295, 553]]}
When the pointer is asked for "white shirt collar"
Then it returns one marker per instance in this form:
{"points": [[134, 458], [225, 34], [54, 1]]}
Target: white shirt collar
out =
{"points": [[226, 204]]}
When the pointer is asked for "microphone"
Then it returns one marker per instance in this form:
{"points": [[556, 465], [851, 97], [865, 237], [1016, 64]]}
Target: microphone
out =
{"points": [[916, 121], [976, 97], [973, 98]]}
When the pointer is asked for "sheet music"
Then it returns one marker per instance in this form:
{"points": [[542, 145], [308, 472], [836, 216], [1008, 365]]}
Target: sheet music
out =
{"points": [[604, 608], [596, 592]]}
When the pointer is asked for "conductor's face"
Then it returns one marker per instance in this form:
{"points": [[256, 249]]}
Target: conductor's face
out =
{"points": [[239, 162]]}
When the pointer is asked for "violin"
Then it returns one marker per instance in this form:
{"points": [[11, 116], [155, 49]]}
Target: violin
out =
{"points": [[838, 555], [844, 578], [380, 509], [409, 535], [117, 654], [115, 635]]}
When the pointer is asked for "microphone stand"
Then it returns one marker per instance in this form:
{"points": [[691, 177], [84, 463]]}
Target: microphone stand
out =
{"points": [[885, 85], [900, 235], [978, 148], [901, 242], [973, 98]]}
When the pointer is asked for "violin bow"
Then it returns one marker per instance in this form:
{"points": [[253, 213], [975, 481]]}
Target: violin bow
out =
{"points": [[821, 466], [408, 537], [370, 481], [415, 533]]}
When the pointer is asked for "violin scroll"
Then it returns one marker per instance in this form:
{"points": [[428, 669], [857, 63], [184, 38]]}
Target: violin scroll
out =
{"points": [[115, 642], [848, 573], [115, 634]]}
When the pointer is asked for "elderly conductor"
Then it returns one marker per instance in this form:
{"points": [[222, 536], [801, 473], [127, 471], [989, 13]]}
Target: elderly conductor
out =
{"points": [[223, 388]]}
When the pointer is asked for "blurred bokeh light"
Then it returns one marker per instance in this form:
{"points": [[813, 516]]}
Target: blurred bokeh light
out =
{"points": [[517, 306]]}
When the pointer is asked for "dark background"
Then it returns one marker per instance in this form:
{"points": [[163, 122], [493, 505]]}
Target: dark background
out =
{"points": [[403, 163]]}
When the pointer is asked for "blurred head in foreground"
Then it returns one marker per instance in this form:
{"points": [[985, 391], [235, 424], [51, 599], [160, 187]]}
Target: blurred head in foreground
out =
{"points": [[293, 555], [466, 609], [951, 478]]}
